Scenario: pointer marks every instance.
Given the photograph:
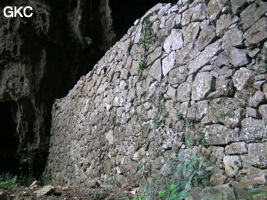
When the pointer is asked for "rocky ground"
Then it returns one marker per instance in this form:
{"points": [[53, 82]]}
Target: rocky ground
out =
{"points": [[64, 193]]}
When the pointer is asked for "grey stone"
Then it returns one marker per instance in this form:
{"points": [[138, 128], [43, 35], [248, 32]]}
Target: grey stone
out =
{"points": [[202, 109], [227, 111], [154, 55], [204, 57], [174, 41], [257, 154], [252, 112], [199, 12], [217, 134], [203, 85], [221, 60], [238, 57], [256, 99], [182, 109], [46, 190], [184, 92], [242, 78], [253, 130], [214, 8], [163, 10], [206, 36], [187, 16], [232, 164], [263, 111], [256, 33], [177, 75], [236, 5], [236, 148], [232, 38], [252, 14], [191, 32], [171, 92], [265, 90], [168, 63], [224, 87], [185, 54], [224, 23], [155, 70], [220, 192]]}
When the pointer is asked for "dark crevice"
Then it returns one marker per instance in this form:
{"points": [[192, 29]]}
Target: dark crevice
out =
{"points": [[8, 140]]}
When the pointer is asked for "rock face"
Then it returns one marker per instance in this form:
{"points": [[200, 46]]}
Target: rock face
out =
{"points": [[40, 59], [133, 112]]}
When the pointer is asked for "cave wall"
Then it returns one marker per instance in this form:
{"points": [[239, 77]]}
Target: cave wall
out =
{"points": [[187, 70], [41, 58]]}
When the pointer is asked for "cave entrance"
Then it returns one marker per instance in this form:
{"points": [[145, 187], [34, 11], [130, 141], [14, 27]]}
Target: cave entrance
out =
{"points": [[125, 12], [8, 141]]}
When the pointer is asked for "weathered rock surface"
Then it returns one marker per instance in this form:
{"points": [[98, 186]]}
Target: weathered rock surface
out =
{"points": [[41, 59]]}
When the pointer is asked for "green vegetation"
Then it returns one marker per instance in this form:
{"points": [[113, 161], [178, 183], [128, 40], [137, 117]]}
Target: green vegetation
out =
{"points": [[146, 38], [256, 191], [185, 173], [8, 180]]}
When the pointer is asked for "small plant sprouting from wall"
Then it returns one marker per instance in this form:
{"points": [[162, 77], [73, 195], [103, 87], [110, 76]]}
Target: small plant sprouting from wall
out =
{"points": [[146, 38]]}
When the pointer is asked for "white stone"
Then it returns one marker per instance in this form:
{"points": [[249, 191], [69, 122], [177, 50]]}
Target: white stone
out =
{"points": [[174, 41], [168, 63]]}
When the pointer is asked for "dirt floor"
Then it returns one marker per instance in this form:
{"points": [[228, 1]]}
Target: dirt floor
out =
{"points": [[65, 193]]}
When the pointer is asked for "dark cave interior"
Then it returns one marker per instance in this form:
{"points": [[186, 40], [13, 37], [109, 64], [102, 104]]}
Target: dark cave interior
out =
{"points": [[125, 12], [8, 141]]}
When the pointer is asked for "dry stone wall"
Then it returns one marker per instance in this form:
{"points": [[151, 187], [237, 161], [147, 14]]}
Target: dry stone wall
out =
{"points": [[183, 72]]}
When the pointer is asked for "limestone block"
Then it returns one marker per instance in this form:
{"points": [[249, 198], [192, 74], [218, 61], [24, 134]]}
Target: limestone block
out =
{"points": [[232, 38], [236, 148], [174, 41], [184, 92], [232, 164], [202, 109], [154, 55], [203, 85], [252, 14], [191, 32], [46, 190], [263, 111], [204, 57], [227, 111], [224, 87], [224, 23], [241, 78], [182, 109], [218, 192], [214, 8], [206, 36], [199, 12], [257, 154], [163, 10], [265, 90], [252, 112], [168, 63], [178, 75], [256, 33], [186, 17], [217, 134], [237, 5], [155, 70], [238, 57], [253, 129], [256, 99], [171, 92], [186, 54]]}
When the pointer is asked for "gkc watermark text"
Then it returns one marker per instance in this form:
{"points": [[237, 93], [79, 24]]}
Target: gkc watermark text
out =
{"points": [[23, 11]]}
